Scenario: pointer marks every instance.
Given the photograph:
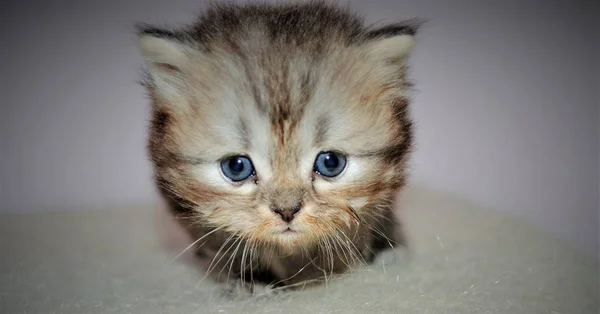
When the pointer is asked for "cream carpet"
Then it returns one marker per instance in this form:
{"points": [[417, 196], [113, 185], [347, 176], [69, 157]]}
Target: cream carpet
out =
{"points": [[463, 259]]}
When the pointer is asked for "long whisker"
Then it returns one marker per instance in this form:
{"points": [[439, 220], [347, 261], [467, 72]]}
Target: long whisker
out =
{"points": [[324, 247], [346, 246], [253, 252], [243, 261], [195, 242], [354, 250], [211, 266], [339, 249], [294, 275], [301, 283], [330, 250], [379, 232], [231, 260]]}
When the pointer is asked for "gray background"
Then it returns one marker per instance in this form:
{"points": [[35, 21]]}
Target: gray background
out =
{"points": [[507, 106]]}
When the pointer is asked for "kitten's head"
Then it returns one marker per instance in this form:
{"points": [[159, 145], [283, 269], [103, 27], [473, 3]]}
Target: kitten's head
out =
{"points": [[281, 124]]}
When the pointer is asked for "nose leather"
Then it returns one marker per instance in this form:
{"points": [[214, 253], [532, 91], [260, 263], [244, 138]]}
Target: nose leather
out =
{"points": [[286, 200], [287, 214]]}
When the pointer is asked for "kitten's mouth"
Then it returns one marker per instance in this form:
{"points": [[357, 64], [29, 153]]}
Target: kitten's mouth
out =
{"points": [[289, 230]]}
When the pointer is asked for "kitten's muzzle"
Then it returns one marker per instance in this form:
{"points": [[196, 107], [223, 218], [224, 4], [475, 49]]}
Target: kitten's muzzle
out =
{"points": [[287, 213], [286, 200]]}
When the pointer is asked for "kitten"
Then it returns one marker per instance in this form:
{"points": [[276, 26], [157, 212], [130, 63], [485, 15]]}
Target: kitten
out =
{"points": [[280, 136]]}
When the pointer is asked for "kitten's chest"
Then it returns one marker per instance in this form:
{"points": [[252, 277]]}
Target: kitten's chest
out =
{"points": [[316, 264]]}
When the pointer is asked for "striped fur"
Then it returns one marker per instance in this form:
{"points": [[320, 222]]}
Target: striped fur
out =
{"points": [[281, 83]]}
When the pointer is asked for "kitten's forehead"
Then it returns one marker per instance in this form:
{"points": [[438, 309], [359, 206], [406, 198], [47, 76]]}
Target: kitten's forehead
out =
{"points": [[281, 92], [265, 109], [283, 108]]}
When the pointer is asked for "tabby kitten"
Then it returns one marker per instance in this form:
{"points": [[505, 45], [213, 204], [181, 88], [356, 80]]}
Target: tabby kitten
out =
{"points": [[280, 136]]}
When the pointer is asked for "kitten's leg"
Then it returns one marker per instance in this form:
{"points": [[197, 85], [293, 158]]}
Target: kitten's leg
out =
{"points": [[238, 288], [255, 283]]}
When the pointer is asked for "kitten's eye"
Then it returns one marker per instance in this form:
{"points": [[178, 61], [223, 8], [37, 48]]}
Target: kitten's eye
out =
{"points": [[237, 168], [330, 164]]}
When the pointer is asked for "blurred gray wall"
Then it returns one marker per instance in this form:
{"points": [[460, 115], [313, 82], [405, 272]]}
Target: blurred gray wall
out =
{"points": [[507, 106]]}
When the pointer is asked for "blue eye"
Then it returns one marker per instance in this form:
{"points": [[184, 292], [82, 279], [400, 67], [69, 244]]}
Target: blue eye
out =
{"points": [[237, 168], [330, 164]]}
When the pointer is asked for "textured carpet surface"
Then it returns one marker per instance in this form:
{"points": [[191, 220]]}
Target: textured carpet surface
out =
{"points": [[462, 259]]}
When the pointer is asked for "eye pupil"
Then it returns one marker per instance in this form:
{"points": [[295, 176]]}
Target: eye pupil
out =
{"points": [[330, 164], [331, 161], [236, 165]]}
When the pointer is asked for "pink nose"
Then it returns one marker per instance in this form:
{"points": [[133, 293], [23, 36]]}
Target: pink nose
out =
{"points": [[287, 214]]}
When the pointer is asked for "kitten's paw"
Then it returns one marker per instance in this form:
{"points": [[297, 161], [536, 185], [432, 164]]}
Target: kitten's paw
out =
{"points": [[242, 289], [237, 288], [265, 290]]}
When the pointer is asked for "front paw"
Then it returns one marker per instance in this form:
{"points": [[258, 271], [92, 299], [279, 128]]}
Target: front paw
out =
{"points": [[239, 288], [236, 288]]}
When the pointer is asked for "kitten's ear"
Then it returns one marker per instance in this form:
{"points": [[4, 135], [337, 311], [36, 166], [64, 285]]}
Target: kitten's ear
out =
{"points": [[393, 42], [167, 58]]}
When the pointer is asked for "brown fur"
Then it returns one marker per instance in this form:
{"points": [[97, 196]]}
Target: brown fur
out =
{"points": [[279, 83]]}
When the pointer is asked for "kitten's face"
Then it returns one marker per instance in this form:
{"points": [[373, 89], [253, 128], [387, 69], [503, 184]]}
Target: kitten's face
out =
{"points": [[279, 144]]}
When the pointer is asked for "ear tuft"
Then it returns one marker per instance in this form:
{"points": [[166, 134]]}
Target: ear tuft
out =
{"points": [[163, 52], [408, 27], [391, 48], [142, 29], [166, 56], [394, 41]]}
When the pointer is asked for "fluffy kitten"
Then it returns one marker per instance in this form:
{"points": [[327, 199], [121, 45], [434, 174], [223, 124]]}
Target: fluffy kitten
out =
{"points": [[280, 135]]}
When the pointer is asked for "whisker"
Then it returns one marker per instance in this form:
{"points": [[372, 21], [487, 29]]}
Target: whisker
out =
{"points": [[322, 247], [389, 241], [195, 242], [349, 209], [301, 283], [294, 275], [336, 243], [329, 247], [347, 251], [243, 262], [254, 254], [211, 267], [354, 250], [231, 260]]}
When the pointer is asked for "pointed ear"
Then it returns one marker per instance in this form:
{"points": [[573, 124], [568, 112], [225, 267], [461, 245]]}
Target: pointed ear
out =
{"points": [[167, 58], [392, 42]]}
